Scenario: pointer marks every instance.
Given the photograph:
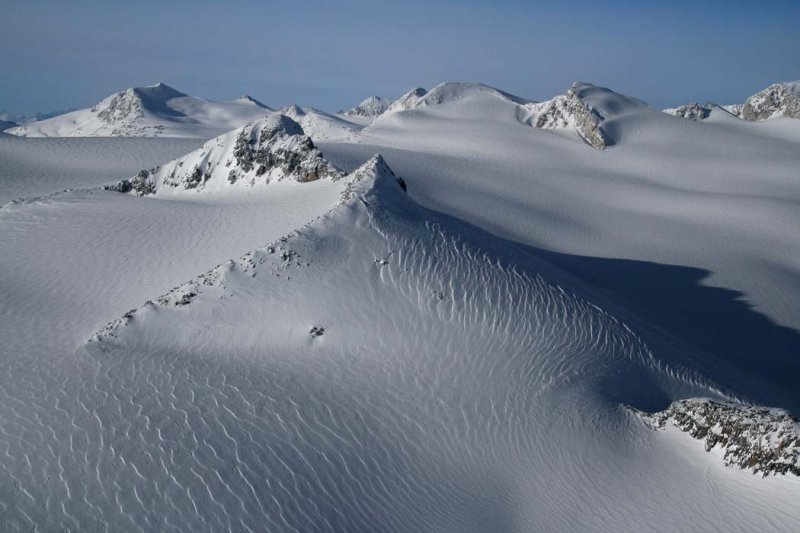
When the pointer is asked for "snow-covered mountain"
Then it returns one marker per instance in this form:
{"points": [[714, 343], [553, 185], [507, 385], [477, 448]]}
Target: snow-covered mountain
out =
{"points": [[489, 327], [369, 108], [446, 93], [154, 111], [271, 149], [779, 100]]}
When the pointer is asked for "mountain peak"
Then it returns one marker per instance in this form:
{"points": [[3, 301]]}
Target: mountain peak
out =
{"points": [[160, 91], [292, 110], [408, 100], [246, 99], [373, 176], [369, 107], [273, 148]]}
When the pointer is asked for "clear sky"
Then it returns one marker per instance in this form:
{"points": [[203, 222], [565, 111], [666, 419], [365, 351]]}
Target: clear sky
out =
{"points": [[331, 54]]}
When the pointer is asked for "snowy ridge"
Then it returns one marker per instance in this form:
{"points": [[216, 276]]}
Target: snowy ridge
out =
{"points": [[246, 99], [154, 111], [446, 93], [322, 126], [274, 148], [766, 440], [734, 109], [408, 101]]}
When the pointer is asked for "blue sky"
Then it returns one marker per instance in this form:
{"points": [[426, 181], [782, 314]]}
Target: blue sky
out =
{"points": [[59, 54]]}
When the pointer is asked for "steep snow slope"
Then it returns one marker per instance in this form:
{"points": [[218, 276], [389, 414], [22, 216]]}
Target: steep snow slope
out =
{"points": [[154, 111], [386, 368], [708, 209], [271, 149], [38, 167]]}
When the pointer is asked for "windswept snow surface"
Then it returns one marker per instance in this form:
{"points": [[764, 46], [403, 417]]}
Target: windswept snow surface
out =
{"points": [[39, 167], [154, 111], [456, 337]]}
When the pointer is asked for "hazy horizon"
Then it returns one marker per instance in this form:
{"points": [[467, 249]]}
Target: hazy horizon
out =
{"points": [[60, 56]]}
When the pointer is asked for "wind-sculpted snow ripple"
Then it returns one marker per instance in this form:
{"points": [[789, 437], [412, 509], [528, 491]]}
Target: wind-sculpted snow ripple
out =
{"points": [[382, 369]]}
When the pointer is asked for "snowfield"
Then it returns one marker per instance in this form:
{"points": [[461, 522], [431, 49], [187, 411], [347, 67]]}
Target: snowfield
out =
{"points": [[567, 315]]}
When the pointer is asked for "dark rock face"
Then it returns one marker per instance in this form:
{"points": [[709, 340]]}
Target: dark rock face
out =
{"points": [[765, 440], [266, 148]]}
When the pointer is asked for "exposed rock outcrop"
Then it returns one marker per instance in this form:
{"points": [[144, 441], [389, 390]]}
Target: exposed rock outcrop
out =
{"points": [[568, 110], [777, 100], [693, 111], [766, 440], [274, 148]]}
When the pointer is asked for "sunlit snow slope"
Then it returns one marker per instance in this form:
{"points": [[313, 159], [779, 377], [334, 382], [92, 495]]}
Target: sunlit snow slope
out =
{"points": [[693, 224], [388, 368]]}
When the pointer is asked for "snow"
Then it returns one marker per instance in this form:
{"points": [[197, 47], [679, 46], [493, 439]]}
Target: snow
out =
{"points": [[322, 126], [444, 339], [249, 100], [153, 111], [408, 101], [39, 167]]}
